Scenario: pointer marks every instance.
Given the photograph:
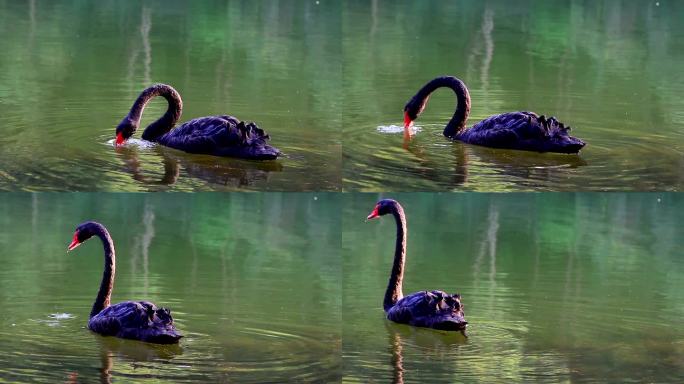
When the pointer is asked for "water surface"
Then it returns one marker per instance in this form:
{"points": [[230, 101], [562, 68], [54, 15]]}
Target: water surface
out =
{"points": [[255, 297], [556, 288], [70, 71], [610, 69]]}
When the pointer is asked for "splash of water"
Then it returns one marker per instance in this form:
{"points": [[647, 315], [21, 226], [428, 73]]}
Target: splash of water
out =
{"points": [[392, 129]]}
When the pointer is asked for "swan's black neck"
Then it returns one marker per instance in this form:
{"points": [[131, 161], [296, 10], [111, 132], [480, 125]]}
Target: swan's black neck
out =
{"points": [[104, 294], [457, 124], [394, 291], [167, 121]]}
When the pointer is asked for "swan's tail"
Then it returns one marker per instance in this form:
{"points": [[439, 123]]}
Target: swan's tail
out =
{"points": [[252, 134], [253, 143], [559, 136], [162, 330]]}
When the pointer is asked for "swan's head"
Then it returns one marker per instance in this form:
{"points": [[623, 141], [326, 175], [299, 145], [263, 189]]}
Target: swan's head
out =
{"points": [[84, 232], [383, 207], [125, 130], [413, 108]]}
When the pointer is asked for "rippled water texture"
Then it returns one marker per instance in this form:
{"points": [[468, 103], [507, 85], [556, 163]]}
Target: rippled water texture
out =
{"points": [[255, 297], [610, 69], [556, 288], [70, 71]]}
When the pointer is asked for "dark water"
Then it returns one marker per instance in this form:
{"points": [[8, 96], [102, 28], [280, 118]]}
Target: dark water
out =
{"points": [[610, 69], [70, 70], [556, 288], [257, 299]]}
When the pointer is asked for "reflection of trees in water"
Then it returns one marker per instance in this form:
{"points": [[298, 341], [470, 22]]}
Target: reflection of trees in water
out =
{"points": [[32, 22], [480, 42], [488, 246], [136, 46], [145, 26], [141, 245]]}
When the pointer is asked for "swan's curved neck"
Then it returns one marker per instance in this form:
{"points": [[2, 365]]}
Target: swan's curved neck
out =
{"points": [[394, 291], [105, 293], [164, 123], [457, 124]]}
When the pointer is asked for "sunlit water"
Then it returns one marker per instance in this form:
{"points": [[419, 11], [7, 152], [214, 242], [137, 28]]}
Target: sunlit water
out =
{"points": [[556, 288], [70, 71], [256, 298], [609, 69]]}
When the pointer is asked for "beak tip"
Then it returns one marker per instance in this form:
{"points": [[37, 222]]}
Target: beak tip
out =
{"points": [[373, 214], [119, 140]]}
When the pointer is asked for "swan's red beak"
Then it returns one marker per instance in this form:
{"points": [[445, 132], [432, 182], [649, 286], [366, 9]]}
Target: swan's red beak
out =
{"points": [[407, 120], [74, 243], [373, 214], [407, 125], [119, 138]]}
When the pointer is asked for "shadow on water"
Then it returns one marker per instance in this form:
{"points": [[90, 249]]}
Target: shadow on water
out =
{"points": [[227, 172]]}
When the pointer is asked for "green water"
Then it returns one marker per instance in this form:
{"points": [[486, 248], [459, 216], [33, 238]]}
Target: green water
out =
{"points": [[257, 299], [556, 288], [287, 287], [322, 78], [70, 70], [610, 69]]}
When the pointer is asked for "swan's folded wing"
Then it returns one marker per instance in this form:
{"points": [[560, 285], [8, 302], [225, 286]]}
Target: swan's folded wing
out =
{"points": [[410, 307], [197, 135], [105, 325], [416, 307], [112, 319], [213, 133], [507, 128]]}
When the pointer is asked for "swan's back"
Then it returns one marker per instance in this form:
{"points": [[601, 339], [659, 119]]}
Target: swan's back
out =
{"points": [[137, 320], [524, 131], [221, 136]]}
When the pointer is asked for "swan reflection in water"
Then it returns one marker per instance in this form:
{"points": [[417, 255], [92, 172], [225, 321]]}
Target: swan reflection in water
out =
{"points": [[519, 164], [430, 342], [127, 354], [224, 172]]}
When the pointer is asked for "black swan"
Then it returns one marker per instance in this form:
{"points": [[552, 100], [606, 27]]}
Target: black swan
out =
{"points": [[138, 320], [211, 135], [431, 309], [514, 130]]}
